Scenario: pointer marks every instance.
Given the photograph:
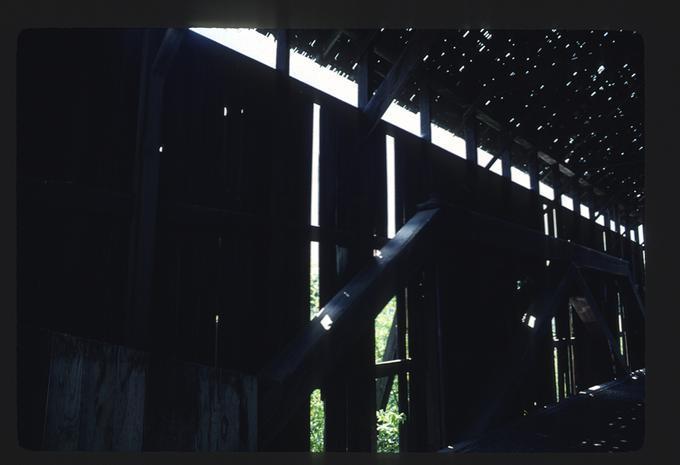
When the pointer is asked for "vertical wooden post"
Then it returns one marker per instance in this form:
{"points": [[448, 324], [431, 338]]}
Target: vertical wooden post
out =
{"points": [[607, 235], [363, 82], [625, 249], [617, 228], [557, 184], [577, 198], [506, 156], [282, 51], [402, 377], [349, 391], [425, 111], [143, 229], [426, 409], [425, 101], [470, 129], [533, 171]]}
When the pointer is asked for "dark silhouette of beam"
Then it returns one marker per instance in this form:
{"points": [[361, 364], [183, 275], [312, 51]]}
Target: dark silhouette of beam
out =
{"points": [[143, 230], [288, 380], [282, 51], [400, 72]]}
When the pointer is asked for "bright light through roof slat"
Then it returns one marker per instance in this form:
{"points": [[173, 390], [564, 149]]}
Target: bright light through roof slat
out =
{"points": [[585, 211], [483, 157], [448, 141], [402, 118], [546, 191], [308, 71], [315, 165], [262, 48], [248, 42], [391, 204], [497, 167], [567, 202], [520, 177], [641, 234]]}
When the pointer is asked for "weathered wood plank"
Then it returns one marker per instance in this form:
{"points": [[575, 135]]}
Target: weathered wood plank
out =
{"points": [[62, 422]]}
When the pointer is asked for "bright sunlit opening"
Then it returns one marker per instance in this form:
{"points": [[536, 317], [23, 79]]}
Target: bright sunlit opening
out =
{"points": [[567, 202], [262, 48], [315, 166], [248, 42], [532, 321], [484, 157], [640, 235], [326, 322], [402, 118], [546, 191], [448, 141], [520, 177], [325, 79], [389, 161]]}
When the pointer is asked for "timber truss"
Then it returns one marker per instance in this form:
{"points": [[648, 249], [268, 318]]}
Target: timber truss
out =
{"points": [[288, 380]]}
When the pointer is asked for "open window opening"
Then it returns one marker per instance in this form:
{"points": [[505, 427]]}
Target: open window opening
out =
{"points": [[640, 235], [386, 333], [567, 202], [389, 418], [317, 417], [570, 388], [546, 191], [391, 203], [623, 342], [556, 364], [245, 41], [390, 403], [520, 177], [317, 422]]}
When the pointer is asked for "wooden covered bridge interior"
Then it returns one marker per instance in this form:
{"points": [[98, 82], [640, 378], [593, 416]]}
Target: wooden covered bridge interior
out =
{"points": [[164, 187]]}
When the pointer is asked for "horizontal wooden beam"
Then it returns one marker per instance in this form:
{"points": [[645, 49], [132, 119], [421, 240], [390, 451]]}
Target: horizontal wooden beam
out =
{"points": [[184, 214], [504, 234], [392, 367], [331, 44]]}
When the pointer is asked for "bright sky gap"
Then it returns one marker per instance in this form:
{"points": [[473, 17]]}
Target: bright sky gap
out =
{"points": [[262, 48]]}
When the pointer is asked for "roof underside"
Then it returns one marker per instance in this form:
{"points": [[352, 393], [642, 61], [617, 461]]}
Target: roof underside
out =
{"points": [[574, 96]]}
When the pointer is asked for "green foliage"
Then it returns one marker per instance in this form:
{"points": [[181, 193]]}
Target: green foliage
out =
{"points": [[389, 419], [316, 422], [316, 407], [313, 291], [383, 323]]}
